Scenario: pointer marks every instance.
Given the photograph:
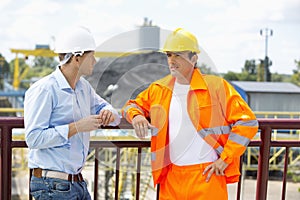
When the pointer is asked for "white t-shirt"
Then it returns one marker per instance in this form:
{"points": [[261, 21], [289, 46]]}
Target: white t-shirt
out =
{"points": [[186, 145]]}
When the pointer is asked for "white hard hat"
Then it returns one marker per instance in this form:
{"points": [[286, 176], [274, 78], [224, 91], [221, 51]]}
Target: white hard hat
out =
{"points": [[76, 41]]}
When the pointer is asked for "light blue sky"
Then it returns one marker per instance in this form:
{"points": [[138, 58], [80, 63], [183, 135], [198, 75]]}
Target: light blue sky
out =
{"points": [[227, 30]]}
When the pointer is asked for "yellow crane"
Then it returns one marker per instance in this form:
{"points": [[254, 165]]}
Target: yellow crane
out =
{"points": [[46, 52], [37, 52]]}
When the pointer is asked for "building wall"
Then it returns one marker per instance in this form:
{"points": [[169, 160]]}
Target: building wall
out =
{"points": [[149, 37], [286, 102]]}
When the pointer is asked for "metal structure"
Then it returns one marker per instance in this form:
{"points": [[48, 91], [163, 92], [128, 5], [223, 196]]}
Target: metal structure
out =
{"points": [[264, 143], [108, 155]]}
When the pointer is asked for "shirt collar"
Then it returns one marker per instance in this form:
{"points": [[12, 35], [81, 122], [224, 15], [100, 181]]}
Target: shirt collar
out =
{"points": [[62, 81]]}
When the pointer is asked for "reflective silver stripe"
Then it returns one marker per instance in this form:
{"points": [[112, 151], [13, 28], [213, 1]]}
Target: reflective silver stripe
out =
{"points": [[153, 156], [239, 139], [219, 150], [154, 131], [132, 105], [215, 130], [246, 123], [226, 129]]}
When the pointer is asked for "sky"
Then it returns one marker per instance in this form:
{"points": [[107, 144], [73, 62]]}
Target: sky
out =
{"points": [[228, 31]]}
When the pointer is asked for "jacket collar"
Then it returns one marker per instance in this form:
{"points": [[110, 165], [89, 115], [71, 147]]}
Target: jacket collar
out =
{"points": [[197, 81]]}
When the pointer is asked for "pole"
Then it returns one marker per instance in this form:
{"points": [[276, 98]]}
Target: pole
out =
{"points": [[266, 33], [16, 81]]}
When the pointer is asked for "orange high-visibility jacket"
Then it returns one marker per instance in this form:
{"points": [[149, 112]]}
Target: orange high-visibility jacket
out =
{"points": [[221, 117]]}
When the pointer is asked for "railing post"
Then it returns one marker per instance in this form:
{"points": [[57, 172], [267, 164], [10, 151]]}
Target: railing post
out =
{"points": [[263, 163], [6, 151], [117, 175], [96, 173], [138, 174]]}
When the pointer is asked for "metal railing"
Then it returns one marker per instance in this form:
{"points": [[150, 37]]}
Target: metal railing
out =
{"points": [[264, 143]]}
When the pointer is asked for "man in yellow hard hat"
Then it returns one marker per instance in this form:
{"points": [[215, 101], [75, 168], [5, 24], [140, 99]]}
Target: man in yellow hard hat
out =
{"points": [[200, 126], [60, 110]]}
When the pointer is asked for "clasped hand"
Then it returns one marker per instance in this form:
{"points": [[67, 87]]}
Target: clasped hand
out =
{"points": [[94, 122]]}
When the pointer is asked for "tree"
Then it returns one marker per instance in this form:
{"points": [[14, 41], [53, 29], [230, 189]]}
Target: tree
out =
{"points": [[250, 67], [277, 77], [245, 76], [4, 67], [260, 71], [44, 62], [205, 69], [41, 67], [4, 70], [249, 72], [231, 76], [296, 73]]}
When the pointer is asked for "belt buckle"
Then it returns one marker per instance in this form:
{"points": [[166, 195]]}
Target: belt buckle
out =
{"points": [[72, 175], [80, 178]]}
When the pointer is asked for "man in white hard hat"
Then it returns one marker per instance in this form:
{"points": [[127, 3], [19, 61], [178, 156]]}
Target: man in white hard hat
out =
{"points": [[59, 112]]}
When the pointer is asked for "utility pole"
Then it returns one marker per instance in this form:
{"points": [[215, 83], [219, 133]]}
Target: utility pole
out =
{"points": [[266, 33]]}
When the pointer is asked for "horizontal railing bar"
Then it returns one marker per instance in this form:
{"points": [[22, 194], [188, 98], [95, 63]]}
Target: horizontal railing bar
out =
{"points": [[285, 143], [266, 127], [279, 123], [120, 144], [137, 144]]}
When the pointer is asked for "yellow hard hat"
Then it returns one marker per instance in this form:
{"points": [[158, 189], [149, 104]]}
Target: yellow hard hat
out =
{"points": [[181, 40]]}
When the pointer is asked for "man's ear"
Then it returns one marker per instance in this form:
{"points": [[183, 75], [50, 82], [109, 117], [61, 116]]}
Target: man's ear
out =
{"points": [[76, 58], [194, 58]]}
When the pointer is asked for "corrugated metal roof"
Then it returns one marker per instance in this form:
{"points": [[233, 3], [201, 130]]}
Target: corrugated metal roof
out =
{"points": [[272, 87]]}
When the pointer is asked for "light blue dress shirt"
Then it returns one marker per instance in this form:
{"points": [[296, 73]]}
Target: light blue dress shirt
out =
{"points": [[50, 105]]}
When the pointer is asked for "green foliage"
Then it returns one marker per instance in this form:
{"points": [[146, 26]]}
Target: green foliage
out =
{"points": [[205, 69], [296, 75], [4, 70], [231, 76], [254, 72], [45, 62], [277, 77], [38, 72], [22, 66], [4, 66], [41, 67], [250, 67], [245, 76]]}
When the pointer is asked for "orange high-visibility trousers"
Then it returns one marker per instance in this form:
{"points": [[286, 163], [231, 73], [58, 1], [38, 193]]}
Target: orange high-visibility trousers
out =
{"points": [[188, 183]]}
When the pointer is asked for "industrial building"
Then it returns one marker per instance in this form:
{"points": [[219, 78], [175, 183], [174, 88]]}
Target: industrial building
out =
{"points": [[269, 96]]}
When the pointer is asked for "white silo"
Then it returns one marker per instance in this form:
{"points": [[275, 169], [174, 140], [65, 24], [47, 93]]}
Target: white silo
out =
{"points": [[149, 36]]}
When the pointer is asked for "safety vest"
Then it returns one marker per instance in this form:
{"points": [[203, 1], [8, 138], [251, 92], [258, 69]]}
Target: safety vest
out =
{"points": [[221, 117]]}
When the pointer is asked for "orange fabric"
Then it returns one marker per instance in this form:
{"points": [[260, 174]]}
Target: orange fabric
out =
{"points": [[188, 183], [212, 102]]}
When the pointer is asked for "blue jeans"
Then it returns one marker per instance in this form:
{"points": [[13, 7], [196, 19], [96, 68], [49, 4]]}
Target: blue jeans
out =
{"points": [[52, 188]]}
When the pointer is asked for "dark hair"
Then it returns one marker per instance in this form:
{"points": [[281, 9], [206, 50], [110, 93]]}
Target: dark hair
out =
{"points": [[61, 56], [191, 54]]}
